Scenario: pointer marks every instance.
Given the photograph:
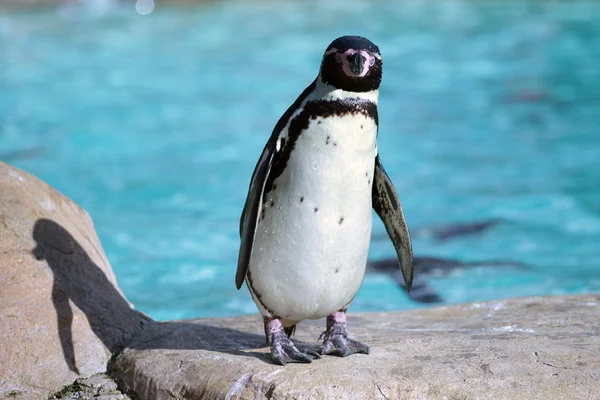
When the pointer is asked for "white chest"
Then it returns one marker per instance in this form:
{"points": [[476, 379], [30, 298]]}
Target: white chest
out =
{"points": [[312, 239]]}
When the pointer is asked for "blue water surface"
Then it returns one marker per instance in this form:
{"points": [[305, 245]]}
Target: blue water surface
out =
{"points": [[153, 123]]}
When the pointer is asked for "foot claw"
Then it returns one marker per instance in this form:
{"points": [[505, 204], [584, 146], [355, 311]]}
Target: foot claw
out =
{"points": [[338, 345], [314, 354], [284, 351], [335, 338]]}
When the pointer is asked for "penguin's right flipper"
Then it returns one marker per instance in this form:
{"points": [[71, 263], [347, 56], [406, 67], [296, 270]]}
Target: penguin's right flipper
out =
{"points": [[252, 208], [251, 212], [387, 205]]}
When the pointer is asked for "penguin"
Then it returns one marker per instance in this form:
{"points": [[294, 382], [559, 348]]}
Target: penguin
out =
{"points": [[306, 224]]}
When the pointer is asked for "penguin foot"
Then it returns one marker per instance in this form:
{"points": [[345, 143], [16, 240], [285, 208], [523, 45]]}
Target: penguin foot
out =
{"points": [[335, 338], [283, 349]]}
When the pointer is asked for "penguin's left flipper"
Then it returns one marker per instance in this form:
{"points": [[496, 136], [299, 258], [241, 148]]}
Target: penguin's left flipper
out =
{"points": [[387, 205]]}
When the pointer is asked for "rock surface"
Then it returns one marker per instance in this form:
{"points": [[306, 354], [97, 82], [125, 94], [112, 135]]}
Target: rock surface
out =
{"points": [[61, 311], [96, 387], [529, 348], [62, 315]]}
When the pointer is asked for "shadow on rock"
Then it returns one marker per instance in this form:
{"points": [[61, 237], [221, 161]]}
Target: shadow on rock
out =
{"points": [[79, 280], [205, 336]]}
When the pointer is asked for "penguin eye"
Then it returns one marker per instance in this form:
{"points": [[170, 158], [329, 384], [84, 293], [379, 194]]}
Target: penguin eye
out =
{"points": [[372, 62], [338, 57]]}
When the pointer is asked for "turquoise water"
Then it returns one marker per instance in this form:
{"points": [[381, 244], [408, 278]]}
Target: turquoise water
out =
{"points": [[153, 124]]}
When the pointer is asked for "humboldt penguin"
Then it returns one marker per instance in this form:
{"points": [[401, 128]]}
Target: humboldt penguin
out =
{"points": [[306, 224]]}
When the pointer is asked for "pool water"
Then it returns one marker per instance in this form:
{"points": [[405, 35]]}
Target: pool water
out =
{"points": [[153, 123]]}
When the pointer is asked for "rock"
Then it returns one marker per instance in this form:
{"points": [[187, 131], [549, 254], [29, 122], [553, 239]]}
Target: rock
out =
{"points": [[61, 311], [111, 397], [529, 348], [102, 384], [62, 315], [97, 387]]}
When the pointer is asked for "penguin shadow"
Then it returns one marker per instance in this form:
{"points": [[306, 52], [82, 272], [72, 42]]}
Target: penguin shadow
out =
{"points": [[78, 280], [178, 335]]}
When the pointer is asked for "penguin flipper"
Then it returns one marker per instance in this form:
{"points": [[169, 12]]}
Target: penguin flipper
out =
{"points": [[387, 205], [251, 212], [254, 201]]}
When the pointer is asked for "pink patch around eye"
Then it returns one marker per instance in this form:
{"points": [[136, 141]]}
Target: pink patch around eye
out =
{"points": [[343, 59]]}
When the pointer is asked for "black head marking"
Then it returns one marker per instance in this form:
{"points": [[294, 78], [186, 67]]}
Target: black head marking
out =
{"points": [[352, 63], [353, 42]]}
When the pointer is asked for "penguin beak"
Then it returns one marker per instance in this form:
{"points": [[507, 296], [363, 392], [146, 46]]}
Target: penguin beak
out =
{"points": [[356, 63]]}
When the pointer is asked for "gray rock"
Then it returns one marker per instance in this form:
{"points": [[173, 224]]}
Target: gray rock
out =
{"points": [[61, 311], [97, 387], [530, 348], [62, 315], [102, 384]]}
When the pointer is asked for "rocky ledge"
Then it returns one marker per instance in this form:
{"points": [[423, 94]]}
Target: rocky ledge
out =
{"points": [[62, 315], [529, 348], [63, 319]]}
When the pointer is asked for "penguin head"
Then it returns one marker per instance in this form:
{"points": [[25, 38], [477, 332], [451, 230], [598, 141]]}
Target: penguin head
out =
{"points": [[353, 64]]}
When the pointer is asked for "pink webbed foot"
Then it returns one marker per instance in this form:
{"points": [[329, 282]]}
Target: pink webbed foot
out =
{"points": [[335, 338], [283, 349]]}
